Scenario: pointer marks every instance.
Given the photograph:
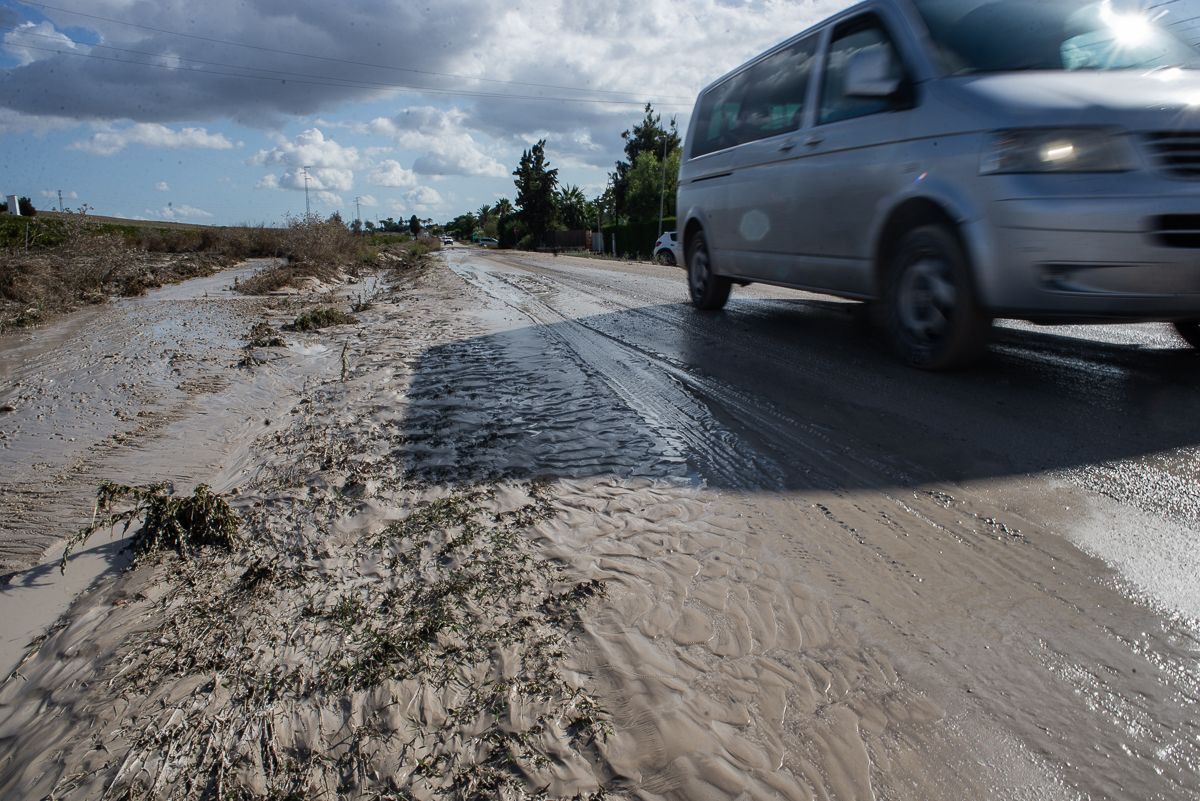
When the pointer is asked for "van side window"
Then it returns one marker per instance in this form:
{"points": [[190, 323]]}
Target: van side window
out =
{"points": [[776, 92], [850, 38], [717, 116]]}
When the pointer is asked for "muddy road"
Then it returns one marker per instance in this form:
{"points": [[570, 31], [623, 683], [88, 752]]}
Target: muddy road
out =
{"points": [[1017, 545], [826, 576]]}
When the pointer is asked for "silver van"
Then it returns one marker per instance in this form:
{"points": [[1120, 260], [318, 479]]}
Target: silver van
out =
{"points": [[956, 161]]}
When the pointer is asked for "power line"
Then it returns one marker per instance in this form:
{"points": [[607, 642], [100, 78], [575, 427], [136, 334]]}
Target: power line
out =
{"points": [[349, 62], [346, 83]]}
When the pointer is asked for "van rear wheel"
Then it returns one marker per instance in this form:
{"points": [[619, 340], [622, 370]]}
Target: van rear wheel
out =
{"points": [[709, 291], [932, 315], [1190, 331]]}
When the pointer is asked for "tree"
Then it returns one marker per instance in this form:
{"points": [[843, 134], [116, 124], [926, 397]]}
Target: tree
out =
{"points": [[649, 136], [414, 225], [652, 187], [536, 183], [572, 208]]}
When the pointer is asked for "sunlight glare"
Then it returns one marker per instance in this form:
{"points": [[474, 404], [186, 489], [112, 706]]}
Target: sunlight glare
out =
{"points": [[1130, 30]]}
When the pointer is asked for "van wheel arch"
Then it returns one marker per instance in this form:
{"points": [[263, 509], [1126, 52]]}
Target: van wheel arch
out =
{"points": [[907, 217]]}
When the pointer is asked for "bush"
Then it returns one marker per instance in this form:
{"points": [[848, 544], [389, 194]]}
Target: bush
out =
{"points": [[324, 317]]}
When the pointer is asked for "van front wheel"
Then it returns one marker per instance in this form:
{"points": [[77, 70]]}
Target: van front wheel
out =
{"points": [[1190, 331], [709, 291], [932, 315]]}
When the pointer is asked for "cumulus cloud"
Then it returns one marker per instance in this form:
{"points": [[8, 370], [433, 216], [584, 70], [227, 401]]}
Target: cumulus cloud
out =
{"points": [[368, 200], [52, 194], [390, 173], [443, 138], [330, 166], [28, 42], [163, 186], [111, 141], [423, 201]]}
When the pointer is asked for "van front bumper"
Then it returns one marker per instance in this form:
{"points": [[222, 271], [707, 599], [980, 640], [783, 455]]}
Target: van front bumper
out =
{"points": [[1120, 258]]}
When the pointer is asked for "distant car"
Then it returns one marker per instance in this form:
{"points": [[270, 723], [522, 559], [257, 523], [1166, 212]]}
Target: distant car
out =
{"points": [[447, 240], [666, 249], [488, 242]]}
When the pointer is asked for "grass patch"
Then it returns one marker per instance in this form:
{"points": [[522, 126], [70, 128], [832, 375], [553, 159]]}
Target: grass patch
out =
{"points": [[169, 522], [323, 317]]}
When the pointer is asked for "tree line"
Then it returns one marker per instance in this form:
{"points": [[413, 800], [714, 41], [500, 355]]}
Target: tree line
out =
{"points": [[640, 188]]}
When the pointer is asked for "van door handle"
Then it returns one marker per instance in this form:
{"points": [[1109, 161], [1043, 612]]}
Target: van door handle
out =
{"points": [[788, 145], [814, 140]]}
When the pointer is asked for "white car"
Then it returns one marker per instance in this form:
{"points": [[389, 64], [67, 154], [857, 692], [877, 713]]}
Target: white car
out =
{"points": [[666, 249]]}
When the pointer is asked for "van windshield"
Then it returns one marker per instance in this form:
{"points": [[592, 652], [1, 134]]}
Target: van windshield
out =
{"points": [[1007, 35]]}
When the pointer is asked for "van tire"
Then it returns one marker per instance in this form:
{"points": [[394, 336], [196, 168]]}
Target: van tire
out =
{"points": [[1190, 331], [932, 314], [709, 291]]}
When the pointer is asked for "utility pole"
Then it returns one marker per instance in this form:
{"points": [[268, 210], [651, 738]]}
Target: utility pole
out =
{"points": [[358, 213], [60, 206], [662, 192], [307, 208]]}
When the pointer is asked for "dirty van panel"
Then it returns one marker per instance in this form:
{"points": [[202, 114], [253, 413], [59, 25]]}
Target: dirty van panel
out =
{"points": [[769, 168], [712, 154], [860, 156]]}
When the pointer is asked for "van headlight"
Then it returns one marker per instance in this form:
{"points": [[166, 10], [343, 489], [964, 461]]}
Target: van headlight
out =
{"points": [[1057, 150]]}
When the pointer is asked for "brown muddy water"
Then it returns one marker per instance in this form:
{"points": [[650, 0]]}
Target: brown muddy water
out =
{"points": [[825, 576]]}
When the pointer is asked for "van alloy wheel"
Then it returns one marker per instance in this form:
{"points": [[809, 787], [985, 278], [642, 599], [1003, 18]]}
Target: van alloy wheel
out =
{"points": [[933, 318], [709, 291]]}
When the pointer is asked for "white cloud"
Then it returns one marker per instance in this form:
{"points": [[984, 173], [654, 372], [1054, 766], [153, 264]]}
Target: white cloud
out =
{"points": [[179, 212], [330, 200], [443, 139], [163, 186], [422, 201], [268, 181], [368, 200], [52, 194], [29, 42], [111, 141], [390, 173], [330, 165]]}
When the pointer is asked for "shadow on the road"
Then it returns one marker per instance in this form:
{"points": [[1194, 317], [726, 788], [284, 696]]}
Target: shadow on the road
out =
{"points": [[772, 395]]}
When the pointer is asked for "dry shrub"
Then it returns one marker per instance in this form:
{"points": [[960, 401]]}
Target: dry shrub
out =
{"points": [[321, 249], [180, 524], [324, 317]]}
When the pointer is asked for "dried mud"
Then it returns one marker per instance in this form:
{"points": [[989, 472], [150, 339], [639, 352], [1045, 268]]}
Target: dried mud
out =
{"points": [[504, 542]]}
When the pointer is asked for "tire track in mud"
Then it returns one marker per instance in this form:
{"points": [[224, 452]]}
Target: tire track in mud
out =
{"points": [[1003, 585]]}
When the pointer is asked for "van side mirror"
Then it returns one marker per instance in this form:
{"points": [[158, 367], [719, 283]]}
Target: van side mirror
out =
{"points": [[871, 73]]}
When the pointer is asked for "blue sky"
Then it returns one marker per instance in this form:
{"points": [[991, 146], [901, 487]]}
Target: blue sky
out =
{"points": [[166, 109]]}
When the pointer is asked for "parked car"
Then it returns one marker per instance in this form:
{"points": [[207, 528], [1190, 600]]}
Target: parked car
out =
{"points": [[446, 240], [488, 242], [956, 161], [666, 249]]}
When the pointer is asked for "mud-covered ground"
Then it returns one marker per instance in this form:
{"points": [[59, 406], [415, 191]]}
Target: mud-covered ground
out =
{"points": [[534, 528]]}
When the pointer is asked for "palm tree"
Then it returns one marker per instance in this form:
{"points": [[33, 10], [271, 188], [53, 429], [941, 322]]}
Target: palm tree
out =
{"points": [[572, 207]]}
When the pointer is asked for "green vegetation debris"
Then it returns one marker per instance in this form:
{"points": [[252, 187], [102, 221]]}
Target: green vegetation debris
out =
{"points": [[169, 522]]}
